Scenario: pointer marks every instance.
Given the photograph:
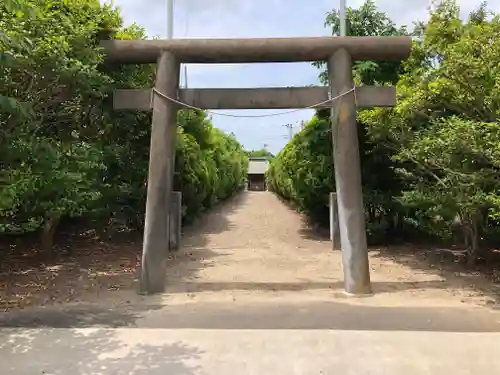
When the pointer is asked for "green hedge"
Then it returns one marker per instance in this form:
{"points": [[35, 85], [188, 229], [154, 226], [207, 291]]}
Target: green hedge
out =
{"points": [[208, 170], [64, 152], [303, 174]]}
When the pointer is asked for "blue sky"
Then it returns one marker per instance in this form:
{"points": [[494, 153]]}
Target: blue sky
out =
{"points": [[258, 18]]}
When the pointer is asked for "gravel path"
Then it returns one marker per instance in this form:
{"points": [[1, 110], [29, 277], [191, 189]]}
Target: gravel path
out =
{"points": [[256, 248], [253, 244]]}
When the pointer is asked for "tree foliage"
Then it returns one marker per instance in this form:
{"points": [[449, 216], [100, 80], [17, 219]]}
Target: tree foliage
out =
{"points": [[261, 153], [368, 21], [431, 163], [64, 152]]}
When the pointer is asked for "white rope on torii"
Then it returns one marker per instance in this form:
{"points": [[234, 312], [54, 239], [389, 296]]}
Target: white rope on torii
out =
{"points": [[314, 106]]}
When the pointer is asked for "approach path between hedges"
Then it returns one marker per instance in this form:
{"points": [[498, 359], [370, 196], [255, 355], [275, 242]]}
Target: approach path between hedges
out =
{"points": [[254, 291], [256, 248]]}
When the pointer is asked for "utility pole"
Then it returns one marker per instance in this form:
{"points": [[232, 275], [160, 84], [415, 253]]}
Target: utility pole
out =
{"points": [[290, 130], [169, 10], [186, 15], [185, 76], [342, 18], [169, 5]]}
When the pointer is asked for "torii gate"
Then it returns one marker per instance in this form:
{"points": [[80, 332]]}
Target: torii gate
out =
{"points": [[338, 52]]}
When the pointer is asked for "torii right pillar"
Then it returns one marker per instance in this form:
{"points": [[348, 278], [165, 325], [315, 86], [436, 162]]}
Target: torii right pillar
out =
{"points": [[347, 167]]}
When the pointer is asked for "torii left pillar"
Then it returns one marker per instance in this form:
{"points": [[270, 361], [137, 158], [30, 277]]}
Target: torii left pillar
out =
{"points": [[160, 176]]}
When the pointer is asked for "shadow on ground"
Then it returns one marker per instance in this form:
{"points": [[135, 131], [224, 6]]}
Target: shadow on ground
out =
{"points": [[313, 232], [319, 315], [441, 262], [91, 352], [378, 287], [339, 313]]}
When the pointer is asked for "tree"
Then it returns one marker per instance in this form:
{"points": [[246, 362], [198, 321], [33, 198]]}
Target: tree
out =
{"points": [[367, 21], [11, 46], [261, 153], [64, 152], [445, 127]]}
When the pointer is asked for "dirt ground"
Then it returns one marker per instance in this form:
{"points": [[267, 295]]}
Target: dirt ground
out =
{"points": [[251, 248]]}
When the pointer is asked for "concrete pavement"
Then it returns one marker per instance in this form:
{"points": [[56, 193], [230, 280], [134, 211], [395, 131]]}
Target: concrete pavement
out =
{"points": [[137, 351], [315, 337]]}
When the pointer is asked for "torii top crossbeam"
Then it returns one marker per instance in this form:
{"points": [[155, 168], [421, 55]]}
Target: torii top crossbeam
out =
{"points": [[255, 50]]}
